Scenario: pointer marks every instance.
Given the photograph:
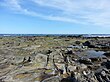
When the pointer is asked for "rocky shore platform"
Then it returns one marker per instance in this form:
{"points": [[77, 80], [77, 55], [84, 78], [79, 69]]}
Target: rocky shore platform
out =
{"points": [[54, 59]]}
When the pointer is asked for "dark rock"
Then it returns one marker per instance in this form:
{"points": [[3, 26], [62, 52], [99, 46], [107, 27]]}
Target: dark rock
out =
{"points": [[69, 52], [107, 54], [92, 46], [52, 79], [98, 76], [70, 79], [29, 59], [103, 73], [48, 52], [85, 61], [87, 43], [1, 80], [105, 47], [78, 42], [95, 59], [106, 64]]}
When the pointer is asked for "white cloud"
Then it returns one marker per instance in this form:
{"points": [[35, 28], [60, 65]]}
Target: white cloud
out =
{"points": [[12, 4], [94, 12]]}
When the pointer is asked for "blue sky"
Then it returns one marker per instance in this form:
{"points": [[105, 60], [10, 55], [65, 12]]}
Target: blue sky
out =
{"points": [[55, 16]]}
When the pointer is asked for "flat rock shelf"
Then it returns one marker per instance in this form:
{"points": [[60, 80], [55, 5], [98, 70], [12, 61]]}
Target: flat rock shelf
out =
{"points": [[54, 59]]}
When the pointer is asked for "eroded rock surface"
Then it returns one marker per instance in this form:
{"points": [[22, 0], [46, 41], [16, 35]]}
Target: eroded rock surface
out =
{"points": [[49, 59]]}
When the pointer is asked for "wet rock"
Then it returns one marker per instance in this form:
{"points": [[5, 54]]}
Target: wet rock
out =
{"points": [[106, 64], [107, 54], [95, 59], [85, 61], [87, 43]]}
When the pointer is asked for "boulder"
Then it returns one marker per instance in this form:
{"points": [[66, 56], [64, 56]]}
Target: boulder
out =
{"points": [[86, 43], [41, 60], [72, 68], [83, 66], [17, 60], [85, 61]]}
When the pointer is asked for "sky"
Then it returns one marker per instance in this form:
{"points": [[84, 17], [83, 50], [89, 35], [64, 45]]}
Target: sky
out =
{"points": [[54, 17]]}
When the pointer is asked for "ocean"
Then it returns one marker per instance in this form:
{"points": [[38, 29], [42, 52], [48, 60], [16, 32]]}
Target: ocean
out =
{"points": [[84, 35]]}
